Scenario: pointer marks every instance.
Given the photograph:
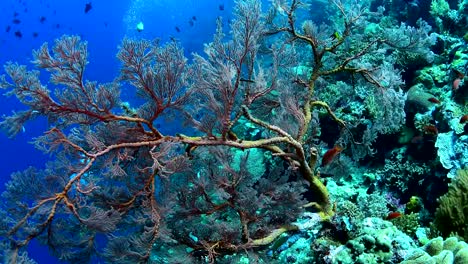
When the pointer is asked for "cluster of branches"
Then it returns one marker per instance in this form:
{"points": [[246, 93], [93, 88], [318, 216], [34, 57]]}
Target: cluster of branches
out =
{"points": [[119, 180]]}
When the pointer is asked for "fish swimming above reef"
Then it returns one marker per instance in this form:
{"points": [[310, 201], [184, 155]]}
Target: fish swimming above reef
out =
{"points": [[88, 7], [140, 26], [412, 2], [330, 155]]}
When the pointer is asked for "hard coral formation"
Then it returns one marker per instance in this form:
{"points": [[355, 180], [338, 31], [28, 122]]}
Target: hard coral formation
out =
{"points": [[451, 218], [438, 251], [378, 242]]}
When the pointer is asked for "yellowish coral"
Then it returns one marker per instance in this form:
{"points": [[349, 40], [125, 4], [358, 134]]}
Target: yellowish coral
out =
{"points": [[452, 214]]}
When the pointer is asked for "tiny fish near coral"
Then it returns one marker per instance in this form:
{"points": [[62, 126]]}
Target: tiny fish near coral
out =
{"points": [[456, 82], [394, 215], [431, 130], [434, 100], [464, 119], [330, 155]]}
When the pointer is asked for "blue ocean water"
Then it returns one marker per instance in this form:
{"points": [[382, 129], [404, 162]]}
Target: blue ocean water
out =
{"points": [[192, 22]]}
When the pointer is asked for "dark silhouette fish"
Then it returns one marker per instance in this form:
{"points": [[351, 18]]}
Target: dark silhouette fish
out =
{"points": [[177, 29], [88, 7], [16, 21], [414, 3], [221, 7], [42, 19], [8, 28], [18, 34]]}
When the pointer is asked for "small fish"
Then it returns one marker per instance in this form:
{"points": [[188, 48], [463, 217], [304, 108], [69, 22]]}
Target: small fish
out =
{"points": [[191, 23], [140, 26], [431, 130], [88, 7], [57, 25], [413, 3], [394, 215], [35, 34], [464, 119], [16, 21], [8, 28], [456, 84], [246, 80], [18, 34], [42, 19], [458, 79], [15, 14], [177, 29], [194, 18], [221, 7], [330, 155], [434, 100]]}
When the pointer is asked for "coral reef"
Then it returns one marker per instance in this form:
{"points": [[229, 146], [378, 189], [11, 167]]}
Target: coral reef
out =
{"points": [[294, 138]]}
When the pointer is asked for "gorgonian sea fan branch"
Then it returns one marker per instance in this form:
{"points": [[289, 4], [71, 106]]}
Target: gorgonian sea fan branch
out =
{"points": [[160, 73]]}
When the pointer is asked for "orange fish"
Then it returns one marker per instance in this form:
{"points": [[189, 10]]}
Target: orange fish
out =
{"points": [[394, 215], [330, 155], [456, 82], [433, 100], [463, 119], [431, 130]]}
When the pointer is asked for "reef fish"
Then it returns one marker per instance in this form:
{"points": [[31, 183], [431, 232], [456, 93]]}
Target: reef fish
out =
{"points": [[330, 155], [393, 215]]}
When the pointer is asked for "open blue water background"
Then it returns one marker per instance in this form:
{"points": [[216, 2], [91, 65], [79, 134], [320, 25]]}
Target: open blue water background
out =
{"points": [[103, 27]]}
